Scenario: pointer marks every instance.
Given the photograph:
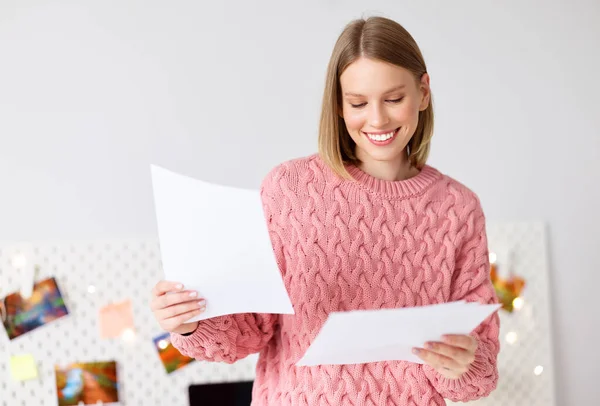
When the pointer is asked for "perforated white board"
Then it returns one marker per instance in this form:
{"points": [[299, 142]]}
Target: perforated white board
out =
{"points": [[128, 268], [518, 384]]}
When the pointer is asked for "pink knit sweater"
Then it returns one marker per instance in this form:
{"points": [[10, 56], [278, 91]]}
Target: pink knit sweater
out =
{"points": [[365, 244]]}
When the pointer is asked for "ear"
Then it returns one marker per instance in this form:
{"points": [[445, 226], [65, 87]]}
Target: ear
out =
{"points": [[425, 91]]}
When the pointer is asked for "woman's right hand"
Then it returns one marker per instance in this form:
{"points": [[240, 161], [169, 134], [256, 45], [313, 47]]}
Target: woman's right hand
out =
{"points": [[173, 306]]}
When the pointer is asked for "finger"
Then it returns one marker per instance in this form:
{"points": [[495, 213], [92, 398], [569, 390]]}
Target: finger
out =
{"points": [[163, 287], [461, 341], [458, 354], [164, 301], [436, 360], [174, 322], [176, 310]]}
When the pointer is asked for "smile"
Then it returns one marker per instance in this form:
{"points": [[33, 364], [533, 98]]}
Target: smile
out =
{"points": [[381, 138]]}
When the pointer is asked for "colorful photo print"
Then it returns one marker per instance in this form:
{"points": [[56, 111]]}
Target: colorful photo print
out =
{"points": [[22, 315], [89, 383], [171, 358], [508, 289]]}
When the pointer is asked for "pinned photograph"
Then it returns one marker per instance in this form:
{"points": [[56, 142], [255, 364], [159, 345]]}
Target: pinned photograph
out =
{"points": [[171, 358], [89, 383], [116, 320], [22, 315]]}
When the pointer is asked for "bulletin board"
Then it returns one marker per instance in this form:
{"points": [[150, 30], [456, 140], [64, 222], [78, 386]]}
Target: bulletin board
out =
{"points": [[525, 362], [94, 274]]}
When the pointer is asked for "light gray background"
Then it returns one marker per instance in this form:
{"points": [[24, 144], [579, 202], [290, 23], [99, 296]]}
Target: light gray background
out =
{"points": [[93, 92]]}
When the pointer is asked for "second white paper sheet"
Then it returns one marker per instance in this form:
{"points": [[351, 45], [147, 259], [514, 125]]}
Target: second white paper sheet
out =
{"points": [[214, 239], [361, 336]]}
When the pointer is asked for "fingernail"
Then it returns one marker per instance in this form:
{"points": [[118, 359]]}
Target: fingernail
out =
{"points": [[428, 345], [202, 303], [192, 294], [179, 286], [415, 351]]}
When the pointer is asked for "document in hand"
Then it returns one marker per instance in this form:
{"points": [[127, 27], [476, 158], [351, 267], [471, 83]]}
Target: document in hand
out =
{"points": [[214, 239], [361, 336]]}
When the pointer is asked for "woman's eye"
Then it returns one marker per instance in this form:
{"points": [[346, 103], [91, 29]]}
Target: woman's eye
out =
{"points": [[356, 106], [359, 105]]}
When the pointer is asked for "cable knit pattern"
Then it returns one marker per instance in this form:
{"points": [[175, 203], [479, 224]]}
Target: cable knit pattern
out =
{"points": [[359, 244]]}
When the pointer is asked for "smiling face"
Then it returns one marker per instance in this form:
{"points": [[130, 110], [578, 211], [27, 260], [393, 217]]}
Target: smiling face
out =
{"points": [[380, 107]]}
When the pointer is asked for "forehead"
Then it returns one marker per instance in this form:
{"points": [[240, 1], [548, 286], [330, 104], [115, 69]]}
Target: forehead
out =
{"points": [[370, 77]]}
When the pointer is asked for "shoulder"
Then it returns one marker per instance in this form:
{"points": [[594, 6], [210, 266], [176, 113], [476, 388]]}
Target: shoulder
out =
{"points": [[282, 186], [458, 195], [462, 207], [289, 175]]}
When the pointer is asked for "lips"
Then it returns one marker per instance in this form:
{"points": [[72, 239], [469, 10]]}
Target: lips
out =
{"points": [[380, 137]]}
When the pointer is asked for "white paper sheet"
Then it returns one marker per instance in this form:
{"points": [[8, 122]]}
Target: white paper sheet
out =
{"points": [[214, 239], [361, 336]]}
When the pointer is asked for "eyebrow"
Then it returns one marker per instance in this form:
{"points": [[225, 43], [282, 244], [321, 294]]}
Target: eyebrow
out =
{"points": [[393, 89]]}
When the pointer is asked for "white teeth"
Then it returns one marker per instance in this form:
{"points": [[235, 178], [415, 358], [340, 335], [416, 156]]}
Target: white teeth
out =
{"points": [[381, 137]]}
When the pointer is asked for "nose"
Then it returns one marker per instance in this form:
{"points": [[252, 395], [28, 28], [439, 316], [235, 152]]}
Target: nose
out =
{"points": [[378, 116]]}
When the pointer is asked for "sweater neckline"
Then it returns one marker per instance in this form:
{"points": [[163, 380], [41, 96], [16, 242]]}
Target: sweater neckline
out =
{"points": [[394, 188]]}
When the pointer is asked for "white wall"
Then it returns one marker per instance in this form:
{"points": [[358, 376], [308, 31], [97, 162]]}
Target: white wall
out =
{"points": [[93, 92]]}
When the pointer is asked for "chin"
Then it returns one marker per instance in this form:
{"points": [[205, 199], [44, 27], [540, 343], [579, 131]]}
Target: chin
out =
{"points": [[394, 151], [383, 156]]}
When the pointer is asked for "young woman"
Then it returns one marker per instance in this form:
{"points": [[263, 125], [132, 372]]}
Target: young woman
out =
{"points": [[363, 224]]}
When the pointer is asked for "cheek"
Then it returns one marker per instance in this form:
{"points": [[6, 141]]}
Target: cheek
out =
{"points": [[354, 120], [407, 113]]}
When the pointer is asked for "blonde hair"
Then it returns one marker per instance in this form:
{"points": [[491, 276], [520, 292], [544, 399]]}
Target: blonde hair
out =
{"points": [[381, 39]]}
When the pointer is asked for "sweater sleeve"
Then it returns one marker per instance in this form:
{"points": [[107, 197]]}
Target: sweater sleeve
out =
{"points": [[471, 282], [232, 337], [227, 338]]}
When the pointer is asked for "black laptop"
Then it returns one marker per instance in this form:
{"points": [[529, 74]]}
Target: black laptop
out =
{"points": [[221, 394]]}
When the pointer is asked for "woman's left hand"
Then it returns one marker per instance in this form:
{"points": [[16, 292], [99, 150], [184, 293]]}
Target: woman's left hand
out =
{"points": [[452, 357]]}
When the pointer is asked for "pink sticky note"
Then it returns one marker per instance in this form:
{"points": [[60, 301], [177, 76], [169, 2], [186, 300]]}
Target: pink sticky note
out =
{"points": [[115, 319]]}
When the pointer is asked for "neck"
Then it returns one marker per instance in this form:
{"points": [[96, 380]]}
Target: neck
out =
{"points": [[398, 169]]}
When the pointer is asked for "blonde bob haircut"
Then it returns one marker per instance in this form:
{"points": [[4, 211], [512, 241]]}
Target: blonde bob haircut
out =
{"points": [[381, 39]]}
